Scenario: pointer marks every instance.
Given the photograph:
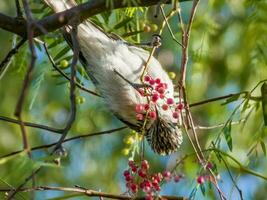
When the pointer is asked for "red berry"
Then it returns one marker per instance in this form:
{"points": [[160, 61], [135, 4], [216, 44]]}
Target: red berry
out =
{"points": [[149, 197], [161, 96], [161, 90], [155, 97], [147, 78], [175, 115], [176, 178], [180, 106], [157, 188], [141, 173], [158, 80], [151, 82], [131, 163], [146, 106], [128, 178], [161, 85], [170, 101], [126, 173], [141, 92], [200, 180], [207, 177], [144, 165], [142, 185], [165, 107], [165, 85], [209, 165], [128, 184], [134, 168], [139, 117], [134, 187], [139, 108], [167, 179], [155, 183], [158, 177], [166, 174], [147, 189], [152, 115]]}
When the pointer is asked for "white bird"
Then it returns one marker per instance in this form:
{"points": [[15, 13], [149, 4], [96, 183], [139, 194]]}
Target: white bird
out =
{"points": [[109, 63]]}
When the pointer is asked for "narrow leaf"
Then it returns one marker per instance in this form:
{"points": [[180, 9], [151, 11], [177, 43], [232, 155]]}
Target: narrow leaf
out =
{"points": [[122, 23], [63, 52], [232, 99], [202, 188], [227, 135], [264, 102], [263, 147]]}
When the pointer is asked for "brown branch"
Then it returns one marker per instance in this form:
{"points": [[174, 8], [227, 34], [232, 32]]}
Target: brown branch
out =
{"points": [[76, 50], [58, 20], [91, 193], [185, 42], [33, 125], [215, 99], [66, 140], [23, 92], [27, 78], [188, 117]]}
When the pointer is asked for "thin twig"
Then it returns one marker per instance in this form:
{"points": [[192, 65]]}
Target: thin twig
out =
{"points": [[185, 41], [27, 78], [14, 192], [169, 28], [219, 125], [18, 9], [231, 177], [33, 125], [66, 140], [216, 99], [72, 116]]}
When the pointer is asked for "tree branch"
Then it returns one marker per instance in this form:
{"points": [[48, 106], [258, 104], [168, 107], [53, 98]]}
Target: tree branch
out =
{"points": [[91, 193], [58, 20]]}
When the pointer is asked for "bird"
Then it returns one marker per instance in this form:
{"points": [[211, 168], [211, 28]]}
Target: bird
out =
{"points": [[115, 67]]}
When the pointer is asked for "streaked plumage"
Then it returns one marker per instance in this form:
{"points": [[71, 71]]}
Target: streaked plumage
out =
{"points": [[103, 55]]}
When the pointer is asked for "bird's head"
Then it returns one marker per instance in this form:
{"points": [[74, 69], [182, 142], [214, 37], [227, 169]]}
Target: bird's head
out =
{"points": [[164, 136]]}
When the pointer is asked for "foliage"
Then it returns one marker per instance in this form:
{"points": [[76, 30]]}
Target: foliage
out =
{"points": [[227, 54]]}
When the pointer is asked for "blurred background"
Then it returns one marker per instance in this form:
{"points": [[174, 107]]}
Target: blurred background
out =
{"points": [[227, 54]]}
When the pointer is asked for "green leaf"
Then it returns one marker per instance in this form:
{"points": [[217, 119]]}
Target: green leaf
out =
{"points": [[245, 106], [193, 193], [62, 53], [263, 147], [232, 99], [227, 135], [202, 188], [36, 84], [122, 23], [264, 102], [55, 42]]}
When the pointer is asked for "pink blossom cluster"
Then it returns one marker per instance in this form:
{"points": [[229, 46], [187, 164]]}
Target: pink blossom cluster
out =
{"points": [[156, 92], [138, 178]]}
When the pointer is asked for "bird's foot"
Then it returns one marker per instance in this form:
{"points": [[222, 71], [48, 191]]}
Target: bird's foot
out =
{"points": [[136, 86]]}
